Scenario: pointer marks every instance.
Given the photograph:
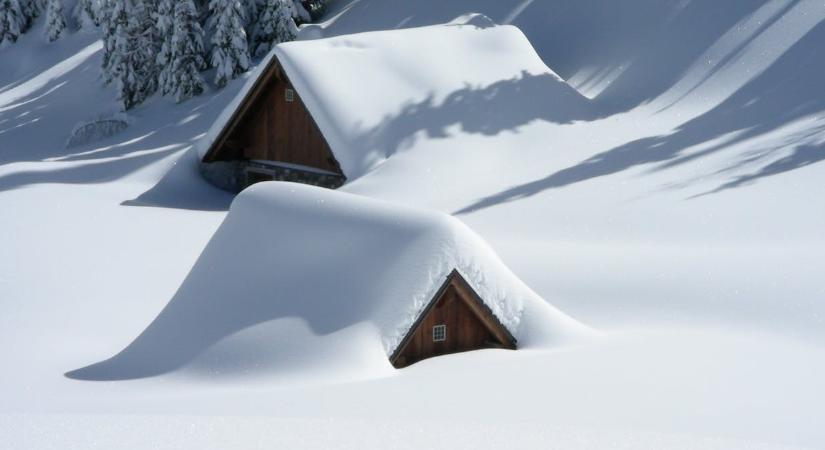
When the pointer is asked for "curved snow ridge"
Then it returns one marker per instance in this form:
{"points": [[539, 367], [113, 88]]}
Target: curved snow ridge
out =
{"points": [[355, 271]]}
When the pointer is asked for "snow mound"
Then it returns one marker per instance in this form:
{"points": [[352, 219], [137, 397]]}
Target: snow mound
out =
{"points": [[373, 94], [96, 130], [335, 278]]}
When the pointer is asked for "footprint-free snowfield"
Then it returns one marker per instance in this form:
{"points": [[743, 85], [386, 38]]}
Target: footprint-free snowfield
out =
{"points": [[635, 189]]}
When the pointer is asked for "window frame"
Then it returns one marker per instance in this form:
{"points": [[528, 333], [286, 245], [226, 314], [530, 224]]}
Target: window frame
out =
{"points": [[289, 95], [439, 333]]}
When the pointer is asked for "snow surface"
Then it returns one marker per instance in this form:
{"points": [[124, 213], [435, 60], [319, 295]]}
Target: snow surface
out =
{"points": [[683, 221]]}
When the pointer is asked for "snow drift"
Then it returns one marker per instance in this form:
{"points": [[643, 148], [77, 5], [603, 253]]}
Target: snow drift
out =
{"points": [[373, 94], [97, 130], [334, 278]]}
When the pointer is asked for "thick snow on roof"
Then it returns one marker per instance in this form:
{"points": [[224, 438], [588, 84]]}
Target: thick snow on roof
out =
{"points": [[369, 92], [346, 275]]}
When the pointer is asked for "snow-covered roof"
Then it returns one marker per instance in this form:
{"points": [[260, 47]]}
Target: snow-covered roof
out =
{"points": [[356, 272], [373, 93]]}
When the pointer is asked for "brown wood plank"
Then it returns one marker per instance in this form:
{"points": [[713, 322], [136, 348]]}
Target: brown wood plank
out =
{"points": [[266, 126], [470, 325]]}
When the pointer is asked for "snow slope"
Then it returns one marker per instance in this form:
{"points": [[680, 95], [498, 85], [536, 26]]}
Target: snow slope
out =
{"points": [[683, 220]]}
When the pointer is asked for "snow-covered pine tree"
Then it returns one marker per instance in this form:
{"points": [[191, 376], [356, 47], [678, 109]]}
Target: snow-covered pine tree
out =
{"points": [[275, 25], [31, 10], [55, 23], [253, 8], [147, 45], [108, 27], [129, 61], [184, 80], [230, 54], [12, 21], [124, 62], [87, 13], [253, 13], [164, 23]]}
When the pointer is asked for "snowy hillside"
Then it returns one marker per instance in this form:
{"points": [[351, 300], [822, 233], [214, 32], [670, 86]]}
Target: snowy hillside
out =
{"points": [[652, 170]]}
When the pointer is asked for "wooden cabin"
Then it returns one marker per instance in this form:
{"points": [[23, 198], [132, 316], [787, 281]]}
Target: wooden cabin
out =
{"points": [[320, 109], [271, 135], [455, 320]]}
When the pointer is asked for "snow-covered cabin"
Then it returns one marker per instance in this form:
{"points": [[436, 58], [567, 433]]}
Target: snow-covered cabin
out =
{"points": [[325, 111], [336, 282], [268, 134], [455, 320]]}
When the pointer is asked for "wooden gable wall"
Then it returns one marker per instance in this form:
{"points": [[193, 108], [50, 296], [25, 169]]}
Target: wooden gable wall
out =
{"points": [[268, 127], [470, 325]]}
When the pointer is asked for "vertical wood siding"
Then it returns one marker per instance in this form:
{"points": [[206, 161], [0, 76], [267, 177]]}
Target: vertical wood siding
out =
{"points": [[272, 129], [468, 327]]}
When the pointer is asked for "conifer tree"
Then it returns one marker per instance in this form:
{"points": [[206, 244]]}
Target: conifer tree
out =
{"points": [[12, 21], [230, 54], [253, 8], [164, 23], [108, 26], [31, 10], [184, 80], [129, 49], [124, 62], [253, 13], [274, 26], [87, 13], [147, 45], [55, 22]]}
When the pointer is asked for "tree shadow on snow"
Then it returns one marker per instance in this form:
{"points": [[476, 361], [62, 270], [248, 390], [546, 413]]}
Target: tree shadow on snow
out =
{"points": [[776, 98], [503, 106], [800, 157], [667, 39], [36, 110], [34, 128], [636, 49]]}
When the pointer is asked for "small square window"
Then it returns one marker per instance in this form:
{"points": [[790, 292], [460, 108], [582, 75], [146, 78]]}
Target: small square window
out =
{"points": [[439, 333], [289, 95]]}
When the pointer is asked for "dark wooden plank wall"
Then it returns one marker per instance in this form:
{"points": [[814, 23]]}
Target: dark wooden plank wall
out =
{"points": [[276, 130], [465, 330]]}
